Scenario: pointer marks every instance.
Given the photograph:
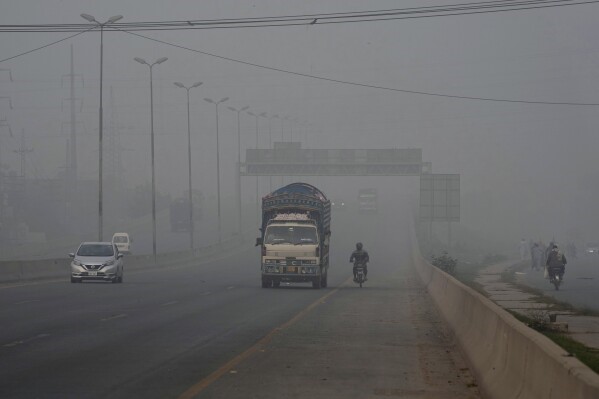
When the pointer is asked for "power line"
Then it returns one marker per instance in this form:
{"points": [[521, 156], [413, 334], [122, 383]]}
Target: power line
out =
{"points": [[312, 19], [46, 45], [345, 82]]}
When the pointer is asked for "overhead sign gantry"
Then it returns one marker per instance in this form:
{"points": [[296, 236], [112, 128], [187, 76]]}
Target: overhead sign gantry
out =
{"points": [[289, 159]]}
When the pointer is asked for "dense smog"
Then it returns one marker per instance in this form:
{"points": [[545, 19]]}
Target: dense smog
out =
{"points": [[293, 199]]}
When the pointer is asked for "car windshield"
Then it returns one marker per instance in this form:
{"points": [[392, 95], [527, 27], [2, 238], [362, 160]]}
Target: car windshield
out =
{"points": [[95, 250], [120, 239], [296, 235]]}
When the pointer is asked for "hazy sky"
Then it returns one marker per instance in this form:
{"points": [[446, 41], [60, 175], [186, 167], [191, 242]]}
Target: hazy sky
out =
{"points": [[526, 169]]}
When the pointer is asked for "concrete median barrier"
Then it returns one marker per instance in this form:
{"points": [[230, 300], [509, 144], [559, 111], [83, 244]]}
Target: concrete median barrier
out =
{"points": [[509, 359], [11, 271]]}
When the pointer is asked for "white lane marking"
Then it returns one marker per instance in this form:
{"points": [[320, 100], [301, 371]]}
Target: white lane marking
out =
{"points": [[231, 287], [206, 293], [169, 303], [24, 302], [117, 316], [24, 341]]}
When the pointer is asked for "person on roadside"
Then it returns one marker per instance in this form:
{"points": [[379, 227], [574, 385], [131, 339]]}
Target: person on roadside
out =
{"points": [[523, 249], [537, 257], [556, 263]]}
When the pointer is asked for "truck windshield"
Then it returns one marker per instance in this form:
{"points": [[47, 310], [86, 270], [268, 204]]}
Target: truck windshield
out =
{"points": [[296, 235]]}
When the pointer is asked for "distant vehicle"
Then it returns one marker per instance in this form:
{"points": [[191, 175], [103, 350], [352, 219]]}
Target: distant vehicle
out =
{"points": [[179, 212], [122, 242], [338, 205], [97, 261], [592, 248], [367, 200]]}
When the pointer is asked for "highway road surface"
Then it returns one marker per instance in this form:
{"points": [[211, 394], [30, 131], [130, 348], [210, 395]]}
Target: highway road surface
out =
{"points": [[207, 330]]}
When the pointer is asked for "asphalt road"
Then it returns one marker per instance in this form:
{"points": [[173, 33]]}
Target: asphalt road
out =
{"points": [[210, 331], [580, 286]]}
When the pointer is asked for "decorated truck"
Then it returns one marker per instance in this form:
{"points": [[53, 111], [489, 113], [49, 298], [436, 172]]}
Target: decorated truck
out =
{"points": [[295, 235]]}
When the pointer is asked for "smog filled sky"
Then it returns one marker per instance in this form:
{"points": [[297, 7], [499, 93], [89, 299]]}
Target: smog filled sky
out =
{"points": [[507, 99]]}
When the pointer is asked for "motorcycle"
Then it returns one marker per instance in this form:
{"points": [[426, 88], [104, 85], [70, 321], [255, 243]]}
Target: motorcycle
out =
{"points": [[360, 276], [555, 277]]}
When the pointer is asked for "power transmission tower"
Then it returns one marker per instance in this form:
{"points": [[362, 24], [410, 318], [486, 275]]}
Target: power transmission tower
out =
{"points": [[23, 151], [9, 72], [72, 165]]}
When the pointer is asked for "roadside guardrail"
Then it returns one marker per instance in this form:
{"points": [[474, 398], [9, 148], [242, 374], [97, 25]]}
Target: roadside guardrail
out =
{"points": [[22, 270]]}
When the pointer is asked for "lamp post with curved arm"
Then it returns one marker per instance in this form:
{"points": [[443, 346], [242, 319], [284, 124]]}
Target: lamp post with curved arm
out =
{"points": [[216, 103], [190, 198], [238, 173], [111, 20], [143, 62]]}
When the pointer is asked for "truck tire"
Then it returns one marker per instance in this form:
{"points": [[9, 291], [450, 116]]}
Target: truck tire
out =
{"points": [[266, 283], [324, 282], [276, 283], [316, 283]]}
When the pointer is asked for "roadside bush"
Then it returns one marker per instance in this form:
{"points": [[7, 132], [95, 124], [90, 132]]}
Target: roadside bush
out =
{"points": [[445, 263]]}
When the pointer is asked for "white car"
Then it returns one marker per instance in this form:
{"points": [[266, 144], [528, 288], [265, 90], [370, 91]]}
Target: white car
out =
{"points": [[97, 261], [122, 242]]}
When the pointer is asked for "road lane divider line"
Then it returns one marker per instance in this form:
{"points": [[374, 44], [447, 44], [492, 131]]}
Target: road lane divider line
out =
{"points": [[195, 389], [231, 287], [169, 303], [24, 302], [24, 341], [117, 316]]}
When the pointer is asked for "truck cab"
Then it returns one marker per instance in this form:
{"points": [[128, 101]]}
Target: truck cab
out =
{"points": [[295, 236]]}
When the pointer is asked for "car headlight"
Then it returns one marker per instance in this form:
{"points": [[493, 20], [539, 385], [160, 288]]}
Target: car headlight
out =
{"points": [[109, 263], [77, 262]]}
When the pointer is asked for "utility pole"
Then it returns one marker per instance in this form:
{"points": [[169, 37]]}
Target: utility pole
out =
{"points": [[3, 124]]}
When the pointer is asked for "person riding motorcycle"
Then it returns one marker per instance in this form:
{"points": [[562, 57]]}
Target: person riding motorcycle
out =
{"points": [[360, 257], [556, 263]]}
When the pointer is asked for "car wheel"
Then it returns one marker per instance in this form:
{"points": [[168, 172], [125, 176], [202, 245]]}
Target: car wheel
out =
{"points": [[73, 280], [121, 278]]}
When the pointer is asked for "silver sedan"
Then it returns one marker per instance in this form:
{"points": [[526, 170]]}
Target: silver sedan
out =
{"points": [[97, 261]]}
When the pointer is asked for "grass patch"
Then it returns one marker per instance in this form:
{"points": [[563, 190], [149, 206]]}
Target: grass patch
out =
{"points": [[587, 355]]}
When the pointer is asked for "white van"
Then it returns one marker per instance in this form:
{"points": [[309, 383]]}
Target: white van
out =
{"points": [[122, 242]]}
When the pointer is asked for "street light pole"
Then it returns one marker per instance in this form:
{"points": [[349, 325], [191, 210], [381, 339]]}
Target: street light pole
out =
{"points": [[216, 103], [159, 61], [111, 20], [190, 199], [238, 174], [263, 114], [270, 118]]}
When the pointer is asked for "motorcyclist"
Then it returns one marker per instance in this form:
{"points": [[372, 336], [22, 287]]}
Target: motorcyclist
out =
{"points": [[360, 257], [556, 263]]}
